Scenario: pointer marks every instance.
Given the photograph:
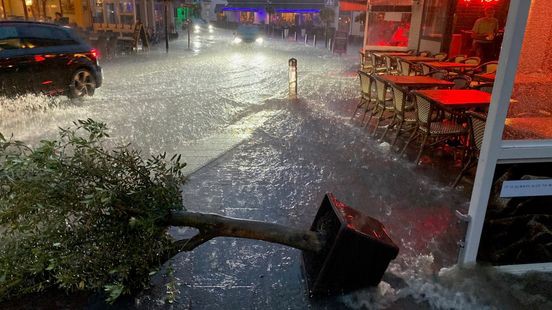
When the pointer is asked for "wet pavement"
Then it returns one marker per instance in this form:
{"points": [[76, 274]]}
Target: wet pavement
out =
{"points": [[255, 154]]}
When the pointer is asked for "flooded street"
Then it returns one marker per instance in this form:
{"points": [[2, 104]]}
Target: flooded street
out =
{"points": [[255, 154]]}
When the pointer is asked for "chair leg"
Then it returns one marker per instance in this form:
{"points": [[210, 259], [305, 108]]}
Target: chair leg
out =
{"points": [[359, 105], [399, 128], [462, 172], [380, 117], [421, 149], [366, 110], [410, 139], [374, 112], [391, 125]]}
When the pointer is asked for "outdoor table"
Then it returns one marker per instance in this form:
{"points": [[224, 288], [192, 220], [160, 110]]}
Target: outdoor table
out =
{"points": [[418, 58], [446, 65], [485, 77], [528, 128], [414, 82], [456, 99]]}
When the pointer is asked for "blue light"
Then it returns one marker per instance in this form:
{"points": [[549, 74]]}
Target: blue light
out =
{"points": [[298, 11], [241, 9]]}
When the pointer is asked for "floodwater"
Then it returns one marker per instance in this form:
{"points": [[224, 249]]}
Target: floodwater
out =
{"points": [[282, 158]]}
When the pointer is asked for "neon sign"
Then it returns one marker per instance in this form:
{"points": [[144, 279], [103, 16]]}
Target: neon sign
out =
{"points": [[481, 1]]}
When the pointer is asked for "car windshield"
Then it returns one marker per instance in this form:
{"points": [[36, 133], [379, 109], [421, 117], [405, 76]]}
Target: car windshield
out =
{"points": [[248, 30]]}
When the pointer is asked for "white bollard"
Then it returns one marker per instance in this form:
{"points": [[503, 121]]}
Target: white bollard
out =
{"points": [[292, 78]]}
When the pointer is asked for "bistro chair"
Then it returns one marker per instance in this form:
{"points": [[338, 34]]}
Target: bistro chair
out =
{"points": [[486, 87], [377, 64], [461, 81], [472, 60], [366, 101], [403, 114], [383, 104], [365, 61], [424, 54], [440, 56], [458, 58], [438, 74], [426, 69], [390, 65], [406, 68], [476, 125], [488, 67], [429, 127]]}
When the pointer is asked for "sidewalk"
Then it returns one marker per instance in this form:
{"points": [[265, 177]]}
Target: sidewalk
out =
{"points": [[280, 173]]}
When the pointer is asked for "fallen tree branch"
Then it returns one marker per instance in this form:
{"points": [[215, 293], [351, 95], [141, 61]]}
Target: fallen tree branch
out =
{"points": [[213, 225]]}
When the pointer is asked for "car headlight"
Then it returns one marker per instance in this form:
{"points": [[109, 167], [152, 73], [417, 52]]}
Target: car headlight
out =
{"points": [[237, 40], [210, 27], [196, 27], [259, 40]]}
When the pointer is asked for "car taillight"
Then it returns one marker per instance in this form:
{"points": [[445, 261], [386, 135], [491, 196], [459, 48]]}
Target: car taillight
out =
{"points": [[39, 58], [94, 54]]}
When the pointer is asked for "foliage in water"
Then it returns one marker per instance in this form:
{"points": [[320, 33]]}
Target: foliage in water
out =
{"points": [[77, 215]]}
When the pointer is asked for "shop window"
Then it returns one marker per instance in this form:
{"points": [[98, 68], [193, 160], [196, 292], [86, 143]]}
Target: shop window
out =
{"points": [[388, 28], [247, 17], [530, 110], [436, 19]]}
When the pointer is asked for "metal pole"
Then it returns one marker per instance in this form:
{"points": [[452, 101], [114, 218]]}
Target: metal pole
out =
{"points": [[4, 10], [25, 9], [166, 26], [60, 8], [314, 41], [189, 26], [306, 38], [295, 35]]}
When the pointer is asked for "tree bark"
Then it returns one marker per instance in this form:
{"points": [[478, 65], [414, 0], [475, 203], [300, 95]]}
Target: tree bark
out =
{"points": [[213, 225]]}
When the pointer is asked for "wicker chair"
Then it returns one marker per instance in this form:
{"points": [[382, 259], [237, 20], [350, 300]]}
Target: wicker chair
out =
{"points": [[424, 54], [440, 56], [472, 60], [438, 74], [383, 104], [486, 87], [428, 127], [426, 69], [476, 123], [406, 67], [390, 64], [488, 67], [461, 81], [378, 64], [403, 114], [458, 58], [365, 62], [366, 101]]}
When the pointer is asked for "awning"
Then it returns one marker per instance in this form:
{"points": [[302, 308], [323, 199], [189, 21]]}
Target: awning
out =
{"points": [[280, 6], [346, 6]]}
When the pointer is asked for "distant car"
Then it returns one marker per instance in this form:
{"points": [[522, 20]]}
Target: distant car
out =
{"points": [[248, 33], [46, 58], [199, 24]]}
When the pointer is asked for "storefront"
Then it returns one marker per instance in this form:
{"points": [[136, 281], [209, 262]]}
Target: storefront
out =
{"points": [[510, 208], [283, 13], [510, 212], [75, 12]]}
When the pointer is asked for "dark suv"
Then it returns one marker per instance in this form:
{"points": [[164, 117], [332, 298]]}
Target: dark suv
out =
{"points": [[46, 58]]}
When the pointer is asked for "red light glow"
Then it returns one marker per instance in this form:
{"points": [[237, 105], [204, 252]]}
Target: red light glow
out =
{"points": [[39, 58]]}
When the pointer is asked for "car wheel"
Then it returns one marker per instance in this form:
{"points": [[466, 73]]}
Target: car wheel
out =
{"points": [[82, 83]]}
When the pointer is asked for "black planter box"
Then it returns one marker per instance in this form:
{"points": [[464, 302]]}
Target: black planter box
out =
{"points": [[356, 253]]}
